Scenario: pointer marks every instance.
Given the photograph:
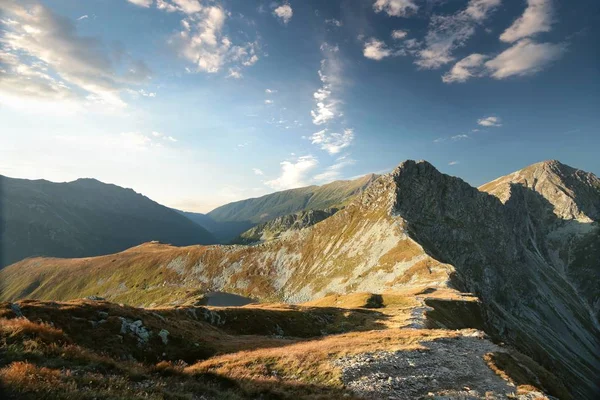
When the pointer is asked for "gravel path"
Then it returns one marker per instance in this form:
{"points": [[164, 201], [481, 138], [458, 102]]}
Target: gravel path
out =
{"points": [[450, 368]]}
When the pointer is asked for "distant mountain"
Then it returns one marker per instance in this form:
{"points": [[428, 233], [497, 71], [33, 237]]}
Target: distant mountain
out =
{"points": [[525, 245], [223, 231], [84, 218], [276, 227], [228, 221]]}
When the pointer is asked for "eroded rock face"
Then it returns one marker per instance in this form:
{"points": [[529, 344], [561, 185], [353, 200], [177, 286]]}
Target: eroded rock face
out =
{"points": [[500, 253]]}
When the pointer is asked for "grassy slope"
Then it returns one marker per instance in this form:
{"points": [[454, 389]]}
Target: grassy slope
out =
{"points": [[84, 218], [290, 201], [64, 351]]}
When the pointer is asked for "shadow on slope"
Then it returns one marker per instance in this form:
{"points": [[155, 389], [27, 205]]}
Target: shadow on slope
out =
{"points": [[500, 254]]}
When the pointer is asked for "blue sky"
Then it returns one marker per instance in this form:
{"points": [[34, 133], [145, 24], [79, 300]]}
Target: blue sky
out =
{"points": [[196, 103]]}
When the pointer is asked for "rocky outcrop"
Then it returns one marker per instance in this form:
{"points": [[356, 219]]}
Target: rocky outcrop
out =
{"points": [[280, 225]]}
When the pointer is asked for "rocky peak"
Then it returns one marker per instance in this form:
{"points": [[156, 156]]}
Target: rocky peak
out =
{"points": [[574, 194]]}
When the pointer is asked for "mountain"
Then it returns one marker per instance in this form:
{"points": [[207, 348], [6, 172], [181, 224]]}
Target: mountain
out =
{"points": [[223, 231], [286, 202], [520, 249], [227, 222], [84, 218], [279, 226]]}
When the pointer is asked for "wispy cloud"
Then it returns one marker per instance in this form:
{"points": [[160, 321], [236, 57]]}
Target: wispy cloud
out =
{"points": [[334, 171], [449, 32], [82, 17], [453, 163], [257, 171], [326, 107], [202, 42], [294, 173], [270, 91], [45, 57], [536, 18], [333, 22], [141, 3], [332, 142]]}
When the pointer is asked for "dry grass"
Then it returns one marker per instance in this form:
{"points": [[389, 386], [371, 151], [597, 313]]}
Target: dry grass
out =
{"points": [[310, 361]]}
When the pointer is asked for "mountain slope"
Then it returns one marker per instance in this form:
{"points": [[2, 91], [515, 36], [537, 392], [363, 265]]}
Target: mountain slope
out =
{"points": [[286, 202], [276, 227], [84, 218], [569, 222], [413, 228]]}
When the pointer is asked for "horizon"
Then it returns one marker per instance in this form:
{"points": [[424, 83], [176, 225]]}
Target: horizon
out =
{"points": [[338, 180], [197, 104]]}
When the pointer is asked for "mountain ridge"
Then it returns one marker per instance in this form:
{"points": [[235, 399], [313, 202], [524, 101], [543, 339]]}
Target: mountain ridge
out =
{"points": [[84, 217], [412, 228]]}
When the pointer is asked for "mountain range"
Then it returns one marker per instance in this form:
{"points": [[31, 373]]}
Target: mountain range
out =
{"points": [[525, 245], [84, 218]]}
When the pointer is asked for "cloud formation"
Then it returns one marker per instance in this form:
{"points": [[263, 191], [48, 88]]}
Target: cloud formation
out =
{"points": [[284, 12], [141, 3], [536, 18], [376, 50], [334, 171], [43, 56], [294, 173], [395, 8], [449, 32], [332, 142], [326, 107], [489, 121]]}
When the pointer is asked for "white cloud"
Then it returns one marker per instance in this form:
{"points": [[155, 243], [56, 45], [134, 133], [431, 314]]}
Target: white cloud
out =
{"points": [[284, 12], [489, 121], [469, 67], [258, 171], [376, 50], [270, 91], [327, 104], [82, 17], [333, 22], [146, 94], [235, 73], [159, 135], [395, 8], [459, 137], [44, 57], [448, 32], [453, 163], [141, 3], [333, 142], [536, 18], [334, 171], [202, 42], [294, 173], [524, 58], [399, 34], [268, 101]]}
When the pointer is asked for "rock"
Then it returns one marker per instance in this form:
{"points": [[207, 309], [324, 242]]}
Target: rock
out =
{"points": [[163, 334], [135, 328], [95, 298], [102, 314]]}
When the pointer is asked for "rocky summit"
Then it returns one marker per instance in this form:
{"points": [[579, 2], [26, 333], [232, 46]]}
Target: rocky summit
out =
{"points": [[422, 286]]}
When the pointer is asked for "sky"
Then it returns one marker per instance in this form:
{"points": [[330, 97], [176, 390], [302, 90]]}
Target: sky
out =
{"points": [[197, 103]]}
